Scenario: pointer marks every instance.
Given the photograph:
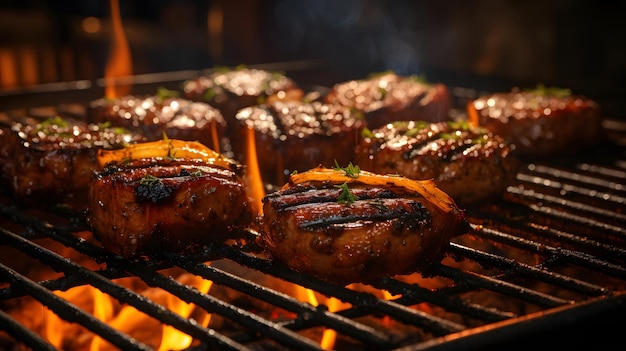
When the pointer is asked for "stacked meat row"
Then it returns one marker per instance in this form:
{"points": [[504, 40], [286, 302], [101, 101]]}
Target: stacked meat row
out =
{"points": [[373, 170]]}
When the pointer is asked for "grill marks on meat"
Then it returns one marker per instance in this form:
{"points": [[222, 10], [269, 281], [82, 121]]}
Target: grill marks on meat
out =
{"points": [[386, 231], [164, 204], [372, 205], [297, 136], [230, 90], [468, 163], [153, 116], [540, 122], [388, 97], [53, 161]]}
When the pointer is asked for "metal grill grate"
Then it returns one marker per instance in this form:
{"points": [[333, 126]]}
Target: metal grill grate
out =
{"points": [[551, 253]]}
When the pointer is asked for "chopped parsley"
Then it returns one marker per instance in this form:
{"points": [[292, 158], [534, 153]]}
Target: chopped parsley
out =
{"points": [[346, 197], [542, 90], [419, 78], [164, 93], [149, 180], [209, 94], [351, 170], [53, 122]]}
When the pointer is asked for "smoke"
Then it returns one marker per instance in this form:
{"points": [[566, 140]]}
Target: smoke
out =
{"points": [[357, 36]]}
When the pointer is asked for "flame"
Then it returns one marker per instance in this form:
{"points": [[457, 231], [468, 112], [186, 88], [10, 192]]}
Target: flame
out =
{"points": [[327, 341], [172, 338], [256, 190], [126, 318], [120, 62]]}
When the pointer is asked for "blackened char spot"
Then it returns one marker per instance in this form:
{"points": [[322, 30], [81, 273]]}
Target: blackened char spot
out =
{"points": [[154, 192]]}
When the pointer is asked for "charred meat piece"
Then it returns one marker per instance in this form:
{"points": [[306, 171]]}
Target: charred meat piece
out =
{"points": [[540, 122], [468, 163], [388, 97], [344, 226], [157, 114], [230, 90], [166, 203], [52, 162], [297, 136]]}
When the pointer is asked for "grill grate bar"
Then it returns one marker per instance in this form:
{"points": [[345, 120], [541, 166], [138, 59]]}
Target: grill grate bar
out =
{"points": [[71, 312], [545, 182], [574, 176], [618, 231], [579, 258], [215, 305], [28, 337], [120, 293], [604, 171], [525, 228], [413, 294], [399, 312], [332, 320], [485, 258], [569, 204], [475, 280]]}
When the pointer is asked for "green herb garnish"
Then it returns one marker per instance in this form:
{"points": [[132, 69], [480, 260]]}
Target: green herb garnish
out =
{"points": [[419, 78], [367, 133], [346, 197], [164, 93], [55, 121], [149, 180], [209, 94], [542, 90], [351, 170]]}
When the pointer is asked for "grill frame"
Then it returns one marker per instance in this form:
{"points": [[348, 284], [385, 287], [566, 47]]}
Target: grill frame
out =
{"points": [[547, 191]]}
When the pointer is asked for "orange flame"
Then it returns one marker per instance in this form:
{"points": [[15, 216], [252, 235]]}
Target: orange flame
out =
{"points": [[327, 341], [126, 318], [256, 190], [120, 62]]}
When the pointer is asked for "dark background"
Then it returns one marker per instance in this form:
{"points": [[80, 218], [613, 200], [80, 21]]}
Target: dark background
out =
{"points": [[483, 44]]}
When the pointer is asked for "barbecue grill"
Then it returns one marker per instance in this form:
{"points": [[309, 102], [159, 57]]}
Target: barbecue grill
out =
{"points": [[544, 265]]}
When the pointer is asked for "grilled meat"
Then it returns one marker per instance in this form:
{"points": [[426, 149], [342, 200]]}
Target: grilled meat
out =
{"points": [[345, 226], [230, 90], [388, 97], [52, 162], [540, 122], [297, 136], [158, 201], [158, 114], [468, 163]]}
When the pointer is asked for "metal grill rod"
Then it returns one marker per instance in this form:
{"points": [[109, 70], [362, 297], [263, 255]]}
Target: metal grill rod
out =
{"points": [[579, 258], [553, 278], [212, 304], [399, 312], [71, 312], [356, 330], [120, 293]]}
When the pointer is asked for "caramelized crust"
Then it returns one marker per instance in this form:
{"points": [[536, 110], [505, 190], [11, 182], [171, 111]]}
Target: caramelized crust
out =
{"points": [[53, 162], [230, 90], [539, 124], [385, 231], [386, 98], [468, 163], [153, 116], [296, 136], [161, 204]]}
